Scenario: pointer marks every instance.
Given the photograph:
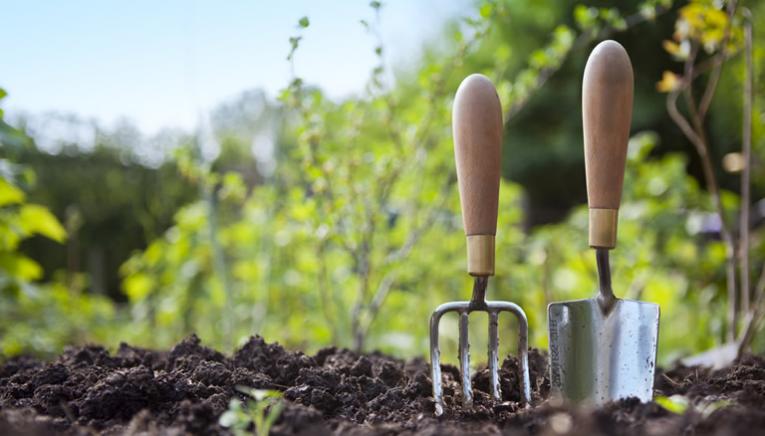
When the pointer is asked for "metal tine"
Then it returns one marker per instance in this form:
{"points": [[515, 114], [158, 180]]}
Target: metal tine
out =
{"points": [[464, 308], [494, 354], [435, 363], [464, 347]]}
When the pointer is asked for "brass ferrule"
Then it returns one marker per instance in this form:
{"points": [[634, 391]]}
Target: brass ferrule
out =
{"points": [[603, 227], [480, 255]]}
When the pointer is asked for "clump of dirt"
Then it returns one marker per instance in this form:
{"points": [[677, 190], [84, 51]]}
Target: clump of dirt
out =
{"points": [[137, 391]]}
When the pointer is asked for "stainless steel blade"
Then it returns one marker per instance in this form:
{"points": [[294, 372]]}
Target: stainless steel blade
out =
{"points": [[597, 357]]}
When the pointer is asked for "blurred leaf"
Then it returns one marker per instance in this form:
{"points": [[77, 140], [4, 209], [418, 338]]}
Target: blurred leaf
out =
{"points": [[137, 286], [708, 408], [678, 51], [648, 11], [585, 17], [38, 220], [486, 10], [20, 267], [9, 194], [669, 82], [304, 22], [676, 404]]}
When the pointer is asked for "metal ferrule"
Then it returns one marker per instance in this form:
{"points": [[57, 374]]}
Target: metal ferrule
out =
{"points": [[603, 227], [480, 255]]}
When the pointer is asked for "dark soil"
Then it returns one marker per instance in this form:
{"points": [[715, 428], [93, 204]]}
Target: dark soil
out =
{"points": [[137, 391]]}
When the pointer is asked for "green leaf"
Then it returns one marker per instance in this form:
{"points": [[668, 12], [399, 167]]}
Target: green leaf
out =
{"points": [[304, 22], [648, 11], [273, 415], [20, 267], [707, 409], [36, 219], [486, 10], [137, 286], [676, 404], [585, 17], [375, 5], [227, 419], [3, 93], [9, 194]]}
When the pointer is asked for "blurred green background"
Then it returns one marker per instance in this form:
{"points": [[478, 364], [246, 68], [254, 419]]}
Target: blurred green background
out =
{"points": [[351, 234]]}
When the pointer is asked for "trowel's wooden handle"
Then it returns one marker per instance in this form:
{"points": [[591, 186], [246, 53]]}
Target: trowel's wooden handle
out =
{"points": [[477, 131], [606, 117]]}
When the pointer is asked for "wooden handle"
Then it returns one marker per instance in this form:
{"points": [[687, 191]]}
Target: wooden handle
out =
{"points": [[606, 116], [477, 131]]}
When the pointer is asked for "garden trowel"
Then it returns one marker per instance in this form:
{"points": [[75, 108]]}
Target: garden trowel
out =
{"points": [[604, 348]]}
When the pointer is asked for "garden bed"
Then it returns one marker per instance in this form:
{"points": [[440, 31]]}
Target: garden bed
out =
{"points": [[185, 390]]}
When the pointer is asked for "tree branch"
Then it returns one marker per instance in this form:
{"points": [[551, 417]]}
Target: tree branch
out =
{"points": [[698, 138]]}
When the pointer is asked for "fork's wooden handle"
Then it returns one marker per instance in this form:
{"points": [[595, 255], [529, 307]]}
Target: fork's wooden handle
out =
{"points": [[606, 117], [477, 131]]}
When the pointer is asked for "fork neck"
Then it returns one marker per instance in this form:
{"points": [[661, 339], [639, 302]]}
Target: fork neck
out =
{"points": [[478, 300], [606, 298]]}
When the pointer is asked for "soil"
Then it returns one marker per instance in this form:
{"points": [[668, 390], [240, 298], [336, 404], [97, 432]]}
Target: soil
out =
{"points": [[184, 391]]}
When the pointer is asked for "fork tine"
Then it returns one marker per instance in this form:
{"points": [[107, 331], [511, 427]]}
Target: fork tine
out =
{"points": [[467, 389], [523, 343], [494, 354], [464, 308], [435, 362]]}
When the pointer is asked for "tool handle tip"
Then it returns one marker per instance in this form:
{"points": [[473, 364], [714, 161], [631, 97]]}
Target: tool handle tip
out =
{"points": [[607, 93], [477, 131]]}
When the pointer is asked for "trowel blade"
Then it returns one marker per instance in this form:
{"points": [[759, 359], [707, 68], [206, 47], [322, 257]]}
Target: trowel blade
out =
{"points": [[595, 357]]}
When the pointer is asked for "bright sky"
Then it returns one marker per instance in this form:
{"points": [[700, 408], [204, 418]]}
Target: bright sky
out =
{"points": [[159, 63]]}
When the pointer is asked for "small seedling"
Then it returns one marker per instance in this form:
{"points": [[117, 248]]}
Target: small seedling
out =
{"points": [[679, 404], [676, 404], [256, 415]]}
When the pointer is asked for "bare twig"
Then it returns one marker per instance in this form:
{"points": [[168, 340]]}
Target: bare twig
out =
{"points": [[324, 292], [714, 77], [755, 315], [387, 282], [746, 151], [695, 132], [679, 119]]}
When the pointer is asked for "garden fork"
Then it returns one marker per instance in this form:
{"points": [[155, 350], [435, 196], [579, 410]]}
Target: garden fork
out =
{"points": [[477, 132]]}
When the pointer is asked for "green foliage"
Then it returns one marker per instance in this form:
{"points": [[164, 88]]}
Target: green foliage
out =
{"points": [[356, 235], [255, 416], [363, 226], [39, 317], [110, 204]]}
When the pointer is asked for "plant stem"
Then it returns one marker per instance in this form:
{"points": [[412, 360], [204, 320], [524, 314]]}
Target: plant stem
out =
{"points": [[695, 133], [754, 317], [219, 264], [746, 151], [698, 138]]}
